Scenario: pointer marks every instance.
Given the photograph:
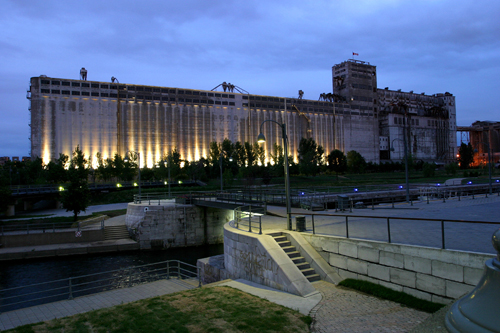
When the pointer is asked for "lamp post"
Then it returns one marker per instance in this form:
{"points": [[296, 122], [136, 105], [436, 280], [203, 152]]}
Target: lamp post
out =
{"points": [[261, 138], [139, 165], [220, 166], [406, 168]]}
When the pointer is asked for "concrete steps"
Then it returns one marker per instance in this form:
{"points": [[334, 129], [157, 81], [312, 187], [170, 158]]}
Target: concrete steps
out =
{"points": [[116, 232], [301, 263]]}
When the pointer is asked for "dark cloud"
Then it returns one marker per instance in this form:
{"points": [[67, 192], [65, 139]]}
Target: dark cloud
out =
{"points": [[274, 47]]}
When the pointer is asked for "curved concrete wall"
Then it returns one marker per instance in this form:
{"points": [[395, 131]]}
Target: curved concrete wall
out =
{"points": [[258, 258]]}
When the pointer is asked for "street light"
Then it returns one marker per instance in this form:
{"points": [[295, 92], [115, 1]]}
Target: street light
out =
{"points": [[220, 166], [139, 164], [489, 164], [406, 168], [261, 138]]}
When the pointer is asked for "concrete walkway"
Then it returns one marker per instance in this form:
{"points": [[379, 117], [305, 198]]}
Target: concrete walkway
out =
{"points": [[334, 309], [83, 304]]}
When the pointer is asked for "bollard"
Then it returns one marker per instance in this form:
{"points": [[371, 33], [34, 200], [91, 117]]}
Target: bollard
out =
{"points": [[373, 206], [347, 226], [314, 230]]}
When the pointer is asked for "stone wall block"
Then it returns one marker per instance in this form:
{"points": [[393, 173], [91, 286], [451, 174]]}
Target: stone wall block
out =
{"points": [[431, 284], [379, 272], [391, 286], [338, 261], [391, 259], [416, 264], [347, 275], [456, 290], [368, 254], [418, 293], [348, 249], [402, 277], [357, 266], [448, 271], [472, 275]]}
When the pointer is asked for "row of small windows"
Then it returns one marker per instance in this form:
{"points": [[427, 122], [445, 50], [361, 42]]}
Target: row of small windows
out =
{"points": [[401, 121]]}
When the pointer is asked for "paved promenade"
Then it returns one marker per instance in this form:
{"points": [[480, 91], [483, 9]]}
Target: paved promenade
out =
{"points": [[83, 304]]}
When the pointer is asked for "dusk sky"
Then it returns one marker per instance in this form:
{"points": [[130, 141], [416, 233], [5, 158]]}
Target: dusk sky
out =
{"points": [[265, 47]]}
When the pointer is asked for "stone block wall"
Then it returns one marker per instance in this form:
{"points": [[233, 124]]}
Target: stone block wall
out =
{"points": [[432, 274], [259, 258], [173, 225]]}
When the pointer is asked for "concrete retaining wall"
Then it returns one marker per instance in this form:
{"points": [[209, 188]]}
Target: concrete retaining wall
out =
{"points": [[432, 274], [258, 258], [48, 238], [165, 226]]}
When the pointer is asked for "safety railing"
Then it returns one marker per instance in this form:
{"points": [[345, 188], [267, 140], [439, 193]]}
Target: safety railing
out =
{"points": [[245, 219], [69, 288], [434, 232], [48, 227]]}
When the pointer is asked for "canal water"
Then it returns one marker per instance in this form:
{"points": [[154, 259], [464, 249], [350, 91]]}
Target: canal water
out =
{"points": [[33, 271]]}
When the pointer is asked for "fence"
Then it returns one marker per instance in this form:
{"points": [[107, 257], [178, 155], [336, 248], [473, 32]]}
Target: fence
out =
{"points": [[243, 216], [45, 227], [56, 290], [440, 233]]}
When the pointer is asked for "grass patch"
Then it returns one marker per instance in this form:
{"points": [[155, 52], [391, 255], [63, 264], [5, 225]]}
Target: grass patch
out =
{"points": [[392, 295], [216, 309]]}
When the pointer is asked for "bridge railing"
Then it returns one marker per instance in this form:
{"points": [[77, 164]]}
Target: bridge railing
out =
{"points": [[246, 219], [20, 227], [69, 288]]}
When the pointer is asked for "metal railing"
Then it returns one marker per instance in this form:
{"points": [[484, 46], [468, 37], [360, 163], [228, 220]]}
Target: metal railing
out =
{"points": [[69, 288], [48, 227], [243, 217], [387, 223]]}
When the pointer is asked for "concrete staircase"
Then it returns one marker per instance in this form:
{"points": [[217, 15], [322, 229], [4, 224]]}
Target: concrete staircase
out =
{"points": [[301, 263], [115, 232]]}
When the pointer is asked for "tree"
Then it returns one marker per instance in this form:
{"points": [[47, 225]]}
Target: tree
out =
{"points": [[355, 162], [310, 156], [465, 155], [56, 171], [337, 162], [76, 197]]}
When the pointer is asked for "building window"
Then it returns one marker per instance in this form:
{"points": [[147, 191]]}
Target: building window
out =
{"points": [[75, 84], [65, 92], [231, 103], [156, 89], [85, 85], [148, 89], [65, 83], [94, 85], [104, 86], [45, 82], [56, 83], [54, 91], [96, 94], [76, 93], [164, 91], [104, 95], [45, 91], [85, 93], [417, 122]]}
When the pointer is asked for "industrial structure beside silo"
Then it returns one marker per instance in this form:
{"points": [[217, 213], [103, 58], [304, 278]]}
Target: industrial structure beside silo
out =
{"points": [[112, 117]]}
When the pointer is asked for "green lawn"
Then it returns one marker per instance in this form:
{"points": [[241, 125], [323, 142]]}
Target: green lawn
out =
{"points": [[216, 309]]}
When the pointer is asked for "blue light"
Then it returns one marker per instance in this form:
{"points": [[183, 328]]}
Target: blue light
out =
{"points": [[355, 190], [400, 186], [302, 193], [438, 184], [498, 181], [469, 182]]}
